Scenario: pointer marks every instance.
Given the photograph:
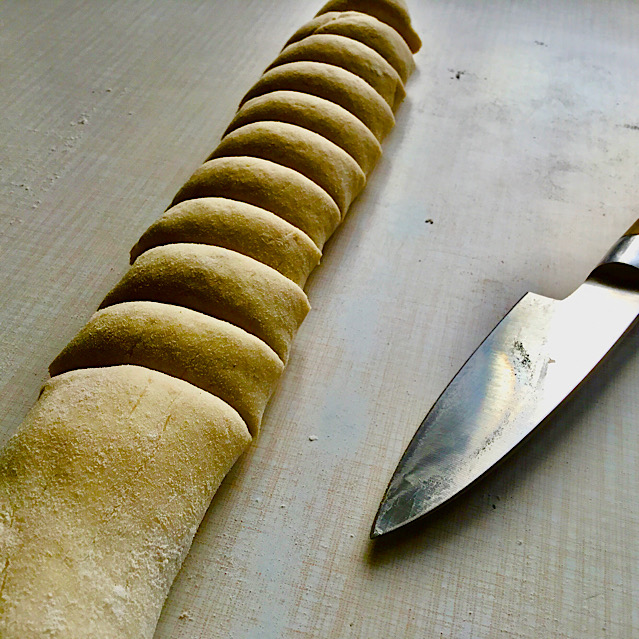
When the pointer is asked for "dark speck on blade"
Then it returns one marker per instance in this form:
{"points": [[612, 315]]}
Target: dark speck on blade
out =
{"points": [[523, 355]]}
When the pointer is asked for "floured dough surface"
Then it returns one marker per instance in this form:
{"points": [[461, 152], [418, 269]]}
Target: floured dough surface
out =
{"points": [[101, 491], [312, 155], [220, 283], [364, 28], [354, 56], [391, 12], [326, 118], [211, 354], [237, 226], [331, 83], [270, 186]]}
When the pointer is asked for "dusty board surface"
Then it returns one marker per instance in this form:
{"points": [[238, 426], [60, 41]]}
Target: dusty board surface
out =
{"points": [[518, 141]]}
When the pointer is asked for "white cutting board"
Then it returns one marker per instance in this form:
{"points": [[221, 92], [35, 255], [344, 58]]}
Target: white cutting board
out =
{"points": [[518, 140]]}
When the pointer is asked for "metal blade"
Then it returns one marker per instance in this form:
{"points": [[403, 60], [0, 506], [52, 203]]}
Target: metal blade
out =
{"points": [[540, 351]]}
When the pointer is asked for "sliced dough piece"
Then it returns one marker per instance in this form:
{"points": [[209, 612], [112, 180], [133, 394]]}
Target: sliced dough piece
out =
{"points": [[211, 354], [363, 28], [239, 227], [354, 56], [271, 186], [302, 150], [391, 12], [101, 491], [220, 283], [331, 83], [326, 118]]}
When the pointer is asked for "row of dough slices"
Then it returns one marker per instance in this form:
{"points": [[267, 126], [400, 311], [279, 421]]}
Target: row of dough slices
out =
{"points": [[108, 478], [214, 296]]}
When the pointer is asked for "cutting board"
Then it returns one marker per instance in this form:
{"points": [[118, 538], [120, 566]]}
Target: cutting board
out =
{"points": [[513, 167]]}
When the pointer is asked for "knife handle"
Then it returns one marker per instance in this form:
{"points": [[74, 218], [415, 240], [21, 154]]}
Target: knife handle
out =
{"points": [[620, 265]]}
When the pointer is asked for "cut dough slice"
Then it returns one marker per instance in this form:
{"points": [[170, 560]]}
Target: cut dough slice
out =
{"points": [[331, 83], [239, 227], [220, 283], [354, 56], [366, 29], [273, 187], [211, 354], [391, 12], [302, 150], [101, 491], [326, 118]]}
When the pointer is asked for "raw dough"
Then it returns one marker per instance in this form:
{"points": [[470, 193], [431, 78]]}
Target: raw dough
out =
{"points": [[239, 227], [301, 150], [331, 83], [391, 12], [220, 283], [270, 186], [364, 28], [326, 118], [354, 56], [101, 491], [107, 480], [211, 354]]}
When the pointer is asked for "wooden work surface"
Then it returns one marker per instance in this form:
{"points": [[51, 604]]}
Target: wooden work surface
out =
{"points": [[513, 167]]}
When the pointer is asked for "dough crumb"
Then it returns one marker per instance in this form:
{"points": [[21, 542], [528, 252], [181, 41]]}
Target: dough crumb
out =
{"points": [[185, 614], [312, 438]]}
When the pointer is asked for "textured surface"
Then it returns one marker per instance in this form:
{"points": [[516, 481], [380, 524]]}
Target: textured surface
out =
{"points": [[80, 487], [517, 140]]}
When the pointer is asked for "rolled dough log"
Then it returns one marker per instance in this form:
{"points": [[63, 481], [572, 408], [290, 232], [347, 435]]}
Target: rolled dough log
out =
{"points": [[309, 153], [273, 187], [354, 56], [107, 480], [220, 283], [391, 12], [326, 118], [101, 491], [211, 354], [366, 29], [237, 226], [331, 83]]}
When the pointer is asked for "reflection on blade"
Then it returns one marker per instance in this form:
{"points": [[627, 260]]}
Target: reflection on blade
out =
{"points": [[531, 361]]}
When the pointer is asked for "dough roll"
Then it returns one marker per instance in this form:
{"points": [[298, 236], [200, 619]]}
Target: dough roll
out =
{"points": [[354, 56], [101, 491], [273, 187], [310, 154], [220, 283], [331, 83], [366, 29], [211, 354], [320, 116], [104, 485]]}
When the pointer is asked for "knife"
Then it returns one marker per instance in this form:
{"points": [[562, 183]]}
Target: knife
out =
{"points": [[531, 361]]}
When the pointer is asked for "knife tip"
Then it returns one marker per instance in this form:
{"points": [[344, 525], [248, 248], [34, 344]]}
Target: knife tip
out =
{"points": [[378, 530]]}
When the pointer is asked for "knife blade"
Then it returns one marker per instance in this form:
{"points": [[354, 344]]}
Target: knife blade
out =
{"points": [[531, 361]]}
